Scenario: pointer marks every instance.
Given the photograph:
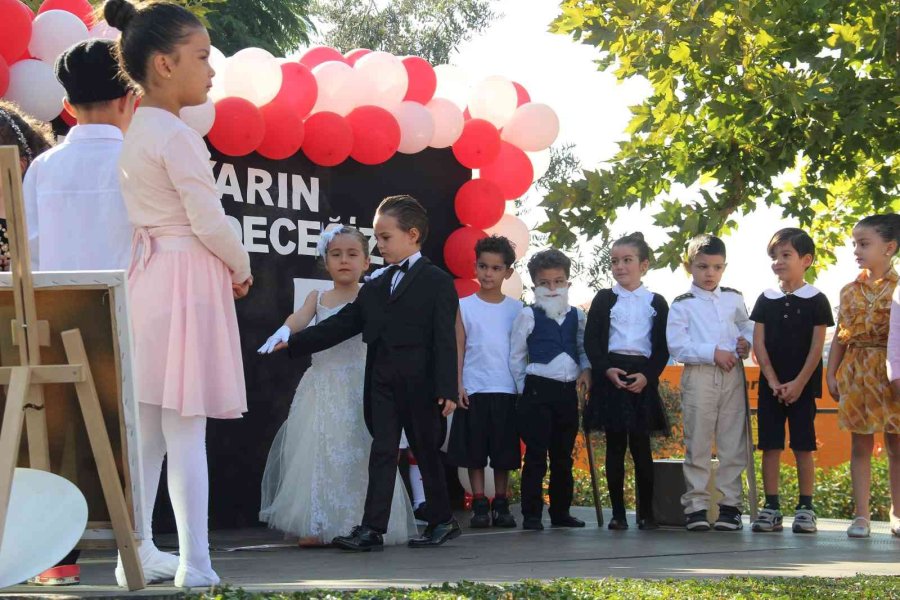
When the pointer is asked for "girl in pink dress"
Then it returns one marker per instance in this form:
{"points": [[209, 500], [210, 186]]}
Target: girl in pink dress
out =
{"points": [[188, 267]]}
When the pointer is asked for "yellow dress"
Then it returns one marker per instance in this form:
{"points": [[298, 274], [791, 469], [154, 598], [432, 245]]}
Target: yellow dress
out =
{"points": [[867, 403]]}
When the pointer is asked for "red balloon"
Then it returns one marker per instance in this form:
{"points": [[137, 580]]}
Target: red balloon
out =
{"points": [[467, 116], [15, 29], [239, 127], [511, 171], [284, 131], [80, 8], [376, 134], [354, 55], [299, 89], [479, 203], [328, 139], [478, 145], [459, 251], [4, 76], [522, 94], [316, 55], [68, 118], [422, 80], [466, 287]]}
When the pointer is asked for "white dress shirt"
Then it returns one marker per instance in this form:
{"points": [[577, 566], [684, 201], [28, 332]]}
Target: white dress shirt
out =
{"points": [[76, 217], [630, 322], [398, 274], [562, 368], [700, 322]]}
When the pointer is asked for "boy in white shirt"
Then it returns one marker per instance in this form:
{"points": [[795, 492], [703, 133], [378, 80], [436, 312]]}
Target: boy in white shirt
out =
{"points": [[548, 363], [708, 331], [486, 428], [74, 209]]}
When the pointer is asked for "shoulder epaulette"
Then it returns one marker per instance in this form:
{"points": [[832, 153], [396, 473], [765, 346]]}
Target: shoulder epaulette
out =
{"points": [[683, 297], [728, 289]]}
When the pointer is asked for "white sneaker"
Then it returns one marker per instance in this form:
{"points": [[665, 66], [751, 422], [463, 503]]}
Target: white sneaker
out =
{"points": [[768, 519], [189, 577], [859, 528], [805, 521], [158, 566]]}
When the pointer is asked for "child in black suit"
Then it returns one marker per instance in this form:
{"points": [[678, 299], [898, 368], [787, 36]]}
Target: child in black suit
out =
{"points": [[407, 316]]}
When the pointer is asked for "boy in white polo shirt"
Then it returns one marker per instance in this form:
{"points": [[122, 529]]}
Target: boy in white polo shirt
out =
{"points": [[486, 428]]}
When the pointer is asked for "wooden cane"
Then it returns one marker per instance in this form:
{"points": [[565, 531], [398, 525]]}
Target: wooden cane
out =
{"points": [[751, 465], [598, 507]]}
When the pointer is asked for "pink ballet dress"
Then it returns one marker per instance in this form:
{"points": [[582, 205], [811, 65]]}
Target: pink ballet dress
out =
{"points": [[185, 256]]}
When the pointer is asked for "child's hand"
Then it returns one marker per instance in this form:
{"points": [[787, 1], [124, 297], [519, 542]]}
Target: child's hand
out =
{"points": [[241, 289], [724, 359], [831, 380], [279, 338], [743, 347], [449, 406], [789, 392], [775, 386], [463, 397], [613, 375], [639, 383], [585, 379]]}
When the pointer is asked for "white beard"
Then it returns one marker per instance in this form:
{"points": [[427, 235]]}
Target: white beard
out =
{"points": [[555, 303]]}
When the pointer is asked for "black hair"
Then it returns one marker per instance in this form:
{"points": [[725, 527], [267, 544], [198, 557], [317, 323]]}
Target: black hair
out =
{"points": [[706, 244], [636, 239], [549, 259], [497, 244], [18, 128], [798, 239], [147, 28], [408, 212], [887, 226]]}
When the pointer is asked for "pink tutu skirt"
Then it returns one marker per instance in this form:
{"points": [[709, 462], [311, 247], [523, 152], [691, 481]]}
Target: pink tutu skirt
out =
{"points": [[187, 351]]}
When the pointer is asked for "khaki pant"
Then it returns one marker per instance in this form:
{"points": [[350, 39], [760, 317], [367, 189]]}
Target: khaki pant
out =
{"points": [[712, 404]]}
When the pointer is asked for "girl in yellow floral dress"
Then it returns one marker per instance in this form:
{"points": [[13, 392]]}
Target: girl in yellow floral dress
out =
{"points": [[857, 366]]}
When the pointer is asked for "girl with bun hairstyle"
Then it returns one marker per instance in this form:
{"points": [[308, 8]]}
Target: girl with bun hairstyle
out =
{"points": [[187, 269]]}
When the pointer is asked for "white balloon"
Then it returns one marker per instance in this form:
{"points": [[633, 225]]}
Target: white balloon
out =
{"points": [[384, 78], [533, 127], [493, 99], [53, 32], [416, 127], [452, 84], [515, 230], [540, 162], [104, 31], [33, 86], [448, 122], [339, 88], [201, 117], [217, 62], [513, 287], [489, 490], [254, 74]]}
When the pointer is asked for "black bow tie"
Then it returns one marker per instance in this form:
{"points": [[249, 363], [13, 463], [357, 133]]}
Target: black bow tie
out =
{"points": [[402, 267]]}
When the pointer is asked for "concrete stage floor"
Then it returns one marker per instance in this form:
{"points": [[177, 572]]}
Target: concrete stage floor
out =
{"points": [[261, 560]]}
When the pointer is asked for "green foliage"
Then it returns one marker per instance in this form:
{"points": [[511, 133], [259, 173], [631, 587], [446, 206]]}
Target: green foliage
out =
{"points": [[431, 29], [742, 93], [279, 26]]}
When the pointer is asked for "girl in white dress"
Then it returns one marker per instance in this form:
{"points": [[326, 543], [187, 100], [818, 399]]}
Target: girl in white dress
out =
{"points": [[315, 480]]}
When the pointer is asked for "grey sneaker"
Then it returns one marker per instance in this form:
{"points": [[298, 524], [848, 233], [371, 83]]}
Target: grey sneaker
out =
{"points": [[770, 519], [804, 521], [859, 528]]}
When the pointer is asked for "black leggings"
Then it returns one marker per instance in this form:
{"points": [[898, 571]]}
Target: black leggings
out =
{"points": [[616, 444]]}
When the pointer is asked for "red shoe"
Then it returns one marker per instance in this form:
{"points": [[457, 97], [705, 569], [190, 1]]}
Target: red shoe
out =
{"points": [[61, 575]]}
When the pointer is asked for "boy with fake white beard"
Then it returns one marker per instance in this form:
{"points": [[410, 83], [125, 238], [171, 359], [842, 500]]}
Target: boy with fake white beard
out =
{"points": [[548, 362]]}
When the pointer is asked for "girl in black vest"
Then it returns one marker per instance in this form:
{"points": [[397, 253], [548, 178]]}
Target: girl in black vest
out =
{"points": [[625, 340]]}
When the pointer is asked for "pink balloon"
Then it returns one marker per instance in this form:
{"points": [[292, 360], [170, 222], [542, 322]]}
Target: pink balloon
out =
{"points": [[532, 127], [515, 230], [511, 170], [317, 55], [416, 127], [422, 80], [354, 55], [448, 122]]}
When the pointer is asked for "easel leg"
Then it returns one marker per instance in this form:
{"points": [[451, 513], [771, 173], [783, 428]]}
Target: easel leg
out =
{"points": [[36, 426], [11, 436], [106, 466]]}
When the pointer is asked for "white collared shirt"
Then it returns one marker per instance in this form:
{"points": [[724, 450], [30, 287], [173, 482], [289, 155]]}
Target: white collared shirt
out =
{"points": [[630, 322], [75, 213], [398, 274], [700, 322], [562, 368]]}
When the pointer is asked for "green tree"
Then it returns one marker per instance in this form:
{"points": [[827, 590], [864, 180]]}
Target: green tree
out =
{"points": [[279, 26], [431, 29], [743, 91]]}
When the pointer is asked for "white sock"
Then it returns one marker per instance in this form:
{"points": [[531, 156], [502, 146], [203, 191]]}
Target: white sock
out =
{"points": [[415, 482]]}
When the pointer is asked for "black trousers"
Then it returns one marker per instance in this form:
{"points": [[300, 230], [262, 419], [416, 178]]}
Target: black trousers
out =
{"points": [[548, 423], [401, 398], [616, 444]]}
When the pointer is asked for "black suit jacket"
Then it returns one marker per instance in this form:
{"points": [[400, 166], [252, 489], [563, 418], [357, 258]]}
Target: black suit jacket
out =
{"points": [[417, 324]]}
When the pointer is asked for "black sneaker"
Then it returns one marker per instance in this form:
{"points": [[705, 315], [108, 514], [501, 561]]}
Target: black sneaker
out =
{"points": [[532, 523], [480, 514], [500, 515], [729, 519], [421, 515], [696, 521]]}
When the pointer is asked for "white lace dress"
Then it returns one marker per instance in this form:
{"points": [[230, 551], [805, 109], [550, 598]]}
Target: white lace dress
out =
{"points": [[316, 475]]}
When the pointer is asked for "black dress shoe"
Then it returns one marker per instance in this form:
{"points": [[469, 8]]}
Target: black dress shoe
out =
{"points": [[481, 518], [647, 524], [500, 515], [532, 523], [566, 521], [435, 535], [361, 539], [617, 524]]}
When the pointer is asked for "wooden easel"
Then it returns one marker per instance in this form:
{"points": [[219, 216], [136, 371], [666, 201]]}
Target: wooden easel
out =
{"points": [[25, 394]]}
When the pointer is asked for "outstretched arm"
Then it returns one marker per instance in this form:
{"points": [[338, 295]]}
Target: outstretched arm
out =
{"points": [[349, 321]]}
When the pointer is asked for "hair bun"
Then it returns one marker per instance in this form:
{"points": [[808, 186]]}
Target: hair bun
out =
{"points": [[118, 13], [637, 235]]}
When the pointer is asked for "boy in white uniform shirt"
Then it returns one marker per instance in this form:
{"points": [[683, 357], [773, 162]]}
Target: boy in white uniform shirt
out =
{"points": [[75, 214], [548, 362], [708, 330]]}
